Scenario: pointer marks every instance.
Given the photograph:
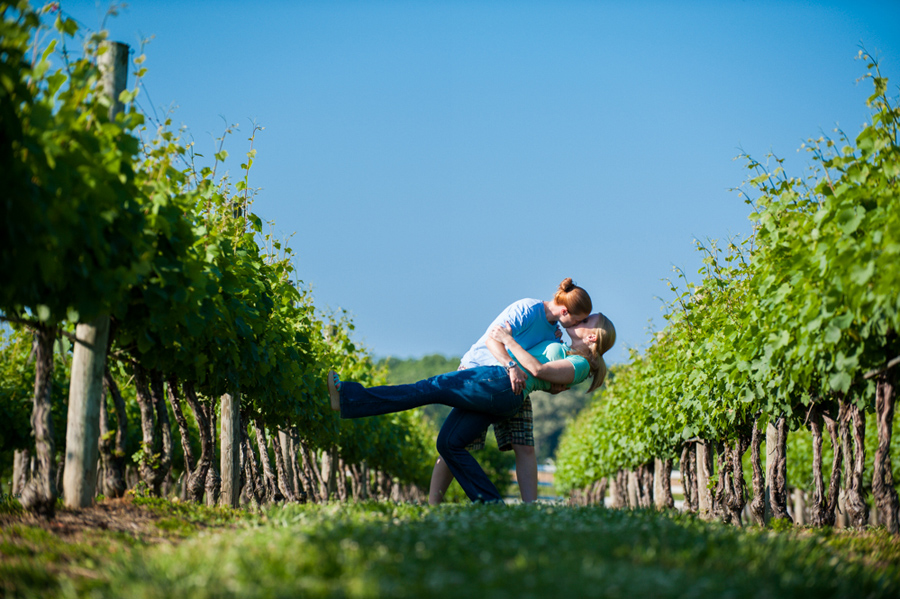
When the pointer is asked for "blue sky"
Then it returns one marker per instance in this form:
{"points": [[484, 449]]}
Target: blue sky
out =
{"points": [[439, 160]]}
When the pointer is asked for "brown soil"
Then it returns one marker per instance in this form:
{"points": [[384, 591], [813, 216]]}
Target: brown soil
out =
{"points": [[116, 515]]}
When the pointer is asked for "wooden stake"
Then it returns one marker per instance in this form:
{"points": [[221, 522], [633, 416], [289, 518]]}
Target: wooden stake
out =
{"points": [[113, 65], [704, 471], [230, 463], [89, 356], [83, 428]]}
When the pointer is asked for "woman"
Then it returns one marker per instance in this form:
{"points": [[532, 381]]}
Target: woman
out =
{"points": [[531, 321], [483, 395]]}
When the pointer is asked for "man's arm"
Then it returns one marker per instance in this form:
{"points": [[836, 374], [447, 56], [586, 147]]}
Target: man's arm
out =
{"points": [[516, 377], [557, 371]]}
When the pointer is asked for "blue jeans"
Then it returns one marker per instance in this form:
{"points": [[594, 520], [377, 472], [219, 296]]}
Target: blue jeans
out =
{"points": [[480, 396]]}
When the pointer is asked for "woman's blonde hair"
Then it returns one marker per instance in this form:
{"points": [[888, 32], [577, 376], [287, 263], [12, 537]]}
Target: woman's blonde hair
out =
{"points": [[574, 298], [606, 338]]}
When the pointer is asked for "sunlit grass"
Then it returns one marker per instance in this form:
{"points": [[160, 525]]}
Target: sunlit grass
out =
{"points": [[493, 551], [504, 551]]}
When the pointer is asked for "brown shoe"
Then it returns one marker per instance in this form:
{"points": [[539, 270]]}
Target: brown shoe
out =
{"points": [[333, 394]]}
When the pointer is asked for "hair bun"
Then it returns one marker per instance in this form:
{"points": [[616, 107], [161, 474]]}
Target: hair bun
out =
{"points": [[567, 285], [575, 299]]}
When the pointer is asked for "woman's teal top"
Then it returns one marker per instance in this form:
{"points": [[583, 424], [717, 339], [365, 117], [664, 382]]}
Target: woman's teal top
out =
{"points": [[548, 351]]}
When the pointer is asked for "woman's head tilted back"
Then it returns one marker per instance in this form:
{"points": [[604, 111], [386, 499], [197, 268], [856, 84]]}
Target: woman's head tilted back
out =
{"points": [[595, 336], [575, 300]]}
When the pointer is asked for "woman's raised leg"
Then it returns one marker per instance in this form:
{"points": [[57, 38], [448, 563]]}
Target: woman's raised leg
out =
{"points": [[486, 389]]}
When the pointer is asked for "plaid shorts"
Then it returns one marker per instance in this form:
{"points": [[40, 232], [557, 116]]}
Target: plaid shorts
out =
{"points": [[518, 429]]}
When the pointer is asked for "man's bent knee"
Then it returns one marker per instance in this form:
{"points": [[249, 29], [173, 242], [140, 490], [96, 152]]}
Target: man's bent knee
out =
{"points": [[443, 444]]}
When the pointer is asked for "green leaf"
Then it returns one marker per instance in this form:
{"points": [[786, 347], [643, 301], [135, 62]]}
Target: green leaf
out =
{"points": [[832, 334], [66, 26], [840, 381], [849, 218], [844, 363], [861, 273], [54, 82], [128, 96], [43, 312], [843, 321], [48, 51], [781, 339]]}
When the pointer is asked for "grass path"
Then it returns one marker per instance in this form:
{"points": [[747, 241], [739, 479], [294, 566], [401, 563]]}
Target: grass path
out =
{"points": [[388, 550]]}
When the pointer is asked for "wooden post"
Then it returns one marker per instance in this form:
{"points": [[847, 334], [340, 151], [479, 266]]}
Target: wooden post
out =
{"points": [[771, 444], [364, 492], [113, 63], [89, 356], [632, 486], [614, 492], [230, 463], [83, 428], [662, 484], [285, 443], [704, 499], [329, 465], [840, 517], [658, 483], [799, 507]]}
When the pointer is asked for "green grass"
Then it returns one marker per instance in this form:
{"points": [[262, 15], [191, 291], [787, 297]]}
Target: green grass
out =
{"points": [[10, 505], [184, 518], [388, 550], [35, 562], [498, 551]]}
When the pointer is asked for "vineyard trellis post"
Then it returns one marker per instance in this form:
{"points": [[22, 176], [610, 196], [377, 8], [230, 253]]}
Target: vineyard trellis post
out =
{"points": [[89, 353], [703, 472], [632, 490], [662, 483], [83, 427], [285, 442], [230, 463]]}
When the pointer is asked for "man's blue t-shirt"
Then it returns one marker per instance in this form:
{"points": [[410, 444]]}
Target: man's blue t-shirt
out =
{"points": [[528, 321]]}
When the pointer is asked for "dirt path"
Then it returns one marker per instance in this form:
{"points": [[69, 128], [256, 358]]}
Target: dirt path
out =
{"points": [[115, 515]]}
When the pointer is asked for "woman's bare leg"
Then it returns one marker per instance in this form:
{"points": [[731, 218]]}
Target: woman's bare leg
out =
{"points": [[441, 478]]}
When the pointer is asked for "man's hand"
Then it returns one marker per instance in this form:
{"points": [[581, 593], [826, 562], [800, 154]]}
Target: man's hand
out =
{"points": [[518, 379], [558, 388], [558, 333], [501, 333]]}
